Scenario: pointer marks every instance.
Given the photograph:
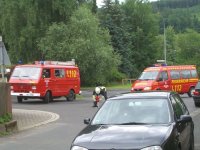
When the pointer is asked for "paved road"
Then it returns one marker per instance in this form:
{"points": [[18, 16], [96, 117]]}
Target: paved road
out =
{"points": [[59, 135]]}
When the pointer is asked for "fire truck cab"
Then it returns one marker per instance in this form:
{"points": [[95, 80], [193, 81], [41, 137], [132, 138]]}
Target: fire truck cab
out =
{"points": [[45, 80], [181, 79]]}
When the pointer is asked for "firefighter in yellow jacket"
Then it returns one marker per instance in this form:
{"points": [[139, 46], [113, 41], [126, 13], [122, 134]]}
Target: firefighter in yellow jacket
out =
{"points": [[97, 93]]}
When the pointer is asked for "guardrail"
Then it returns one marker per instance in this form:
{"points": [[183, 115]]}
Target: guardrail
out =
{"points": [[127, 81]]}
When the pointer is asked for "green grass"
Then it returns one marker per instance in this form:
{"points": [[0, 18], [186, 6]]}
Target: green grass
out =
{"points": [[79, 96], [111, 87], [5, 118], [5, 134], [119, 86]]}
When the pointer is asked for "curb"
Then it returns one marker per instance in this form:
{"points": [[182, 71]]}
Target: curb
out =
{"points": [[27, 119], [10, 126]]}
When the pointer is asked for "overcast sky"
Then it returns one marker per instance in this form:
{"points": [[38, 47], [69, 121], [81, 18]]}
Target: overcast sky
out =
{"points": [[99, 2]]}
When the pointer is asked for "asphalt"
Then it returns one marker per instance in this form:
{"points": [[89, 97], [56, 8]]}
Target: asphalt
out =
{"points": [[27, 119]]}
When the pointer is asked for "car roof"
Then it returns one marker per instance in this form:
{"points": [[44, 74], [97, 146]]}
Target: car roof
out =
{"points": [[46, 66], [143, 94]]}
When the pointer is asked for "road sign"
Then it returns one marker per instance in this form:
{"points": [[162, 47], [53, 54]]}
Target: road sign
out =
{"points": [[4, 58]]}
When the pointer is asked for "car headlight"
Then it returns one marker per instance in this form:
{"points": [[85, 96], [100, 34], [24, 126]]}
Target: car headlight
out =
{"points": [[147, 88], [78, 148], [152, 148]]}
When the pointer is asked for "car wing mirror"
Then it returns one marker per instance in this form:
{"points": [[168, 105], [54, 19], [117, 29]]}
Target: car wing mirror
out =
{"points": [[185, 118], [86, 120]]}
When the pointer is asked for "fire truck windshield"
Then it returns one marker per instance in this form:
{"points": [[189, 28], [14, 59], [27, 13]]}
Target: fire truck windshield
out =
{"points": [[26, 72], [148, 75]]}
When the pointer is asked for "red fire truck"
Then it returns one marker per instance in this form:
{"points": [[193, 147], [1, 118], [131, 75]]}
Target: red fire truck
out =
{"points": [[45, 80], [181, 79]]}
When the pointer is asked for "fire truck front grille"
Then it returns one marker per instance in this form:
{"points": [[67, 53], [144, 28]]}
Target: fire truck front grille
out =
{"points": [[22, 88], [22, 91]]}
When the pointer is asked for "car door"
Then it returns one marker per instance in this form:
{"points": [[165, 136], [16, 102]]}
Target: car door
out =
{"points": [[163, 81], [46, 82], [185, 76], [60, 85], [184, 128]]}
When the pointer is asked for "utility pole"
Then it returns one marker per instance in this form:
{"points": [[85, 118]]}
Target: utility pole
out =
{"points": [[2, 58], [165, 49]]}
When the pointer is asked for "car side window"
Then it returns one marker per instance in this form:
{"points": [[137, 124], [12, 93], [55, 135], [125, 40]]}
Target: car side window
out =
{"points": [[181, 104], [194, 73], [59, 73], [46, 73], [163, 76], [185, 74], [175, 74], [177, 108]]}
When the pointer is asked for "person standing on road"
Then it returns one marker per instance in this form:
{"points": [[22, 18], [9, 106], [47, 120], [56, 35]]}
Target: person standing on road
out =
{"points": [[99, 91]]}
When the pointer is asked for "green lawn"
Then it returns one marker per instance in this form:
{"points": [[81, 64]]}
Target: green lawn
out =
{"points": [[110, 87]]}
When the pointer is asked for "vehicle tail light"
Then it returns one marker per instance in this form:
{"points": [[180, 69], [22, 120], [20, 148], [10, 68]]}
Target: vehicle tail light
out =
{"points": [[196, 93]]}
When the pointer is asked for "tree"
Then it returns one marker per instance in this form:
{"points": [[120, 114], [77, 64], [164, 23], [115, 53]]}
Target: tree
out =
{"points": [[112, 17], [170, 45], [189, 43], [23, 22], [142, 25], [83, 40]]}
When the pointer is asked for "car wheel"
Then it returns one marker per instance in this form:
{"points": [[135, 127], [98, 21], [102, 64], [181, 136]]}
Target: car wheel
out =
{"points": [[71, 96], [19, 99], [48, 97], [190, 93]]}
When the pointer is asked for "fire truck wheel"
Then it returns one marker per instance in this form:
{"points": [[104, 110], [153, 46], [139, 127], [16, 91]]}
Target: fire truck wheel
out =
{"points": [[19, 99], [48, 97], [190, 93], [71, 96]]}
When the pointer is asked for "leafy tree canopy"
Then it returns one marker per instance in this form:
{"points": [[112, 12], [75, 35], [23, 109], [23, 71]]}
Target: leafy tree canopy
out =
{"points": [[83, 40]]}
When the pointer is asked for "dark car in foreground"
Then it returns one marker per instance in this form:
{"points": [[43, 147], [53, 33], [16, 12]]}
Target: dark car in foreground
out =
{"points": [[196, 94], [153, 120]]}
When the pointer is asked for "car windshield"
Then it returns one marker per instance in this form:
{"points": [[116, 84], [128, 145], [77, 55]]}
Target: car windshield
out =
{"points": [[148, 75], [133, 111], [26, 72]]}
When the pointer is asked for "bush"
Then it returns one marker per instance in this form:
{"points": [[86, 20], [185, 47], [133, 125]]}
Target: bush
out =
{"points": [[5, 118]]}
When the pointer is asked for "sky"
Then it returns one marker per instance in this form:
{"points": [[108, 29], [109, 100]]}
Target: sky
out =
{"points": [[100, 2]]}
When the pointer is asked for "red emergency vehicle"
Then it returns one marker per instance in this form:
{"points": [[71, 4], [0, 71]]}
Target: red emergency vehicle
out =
{"points": [[181, 79], [45, 80]]}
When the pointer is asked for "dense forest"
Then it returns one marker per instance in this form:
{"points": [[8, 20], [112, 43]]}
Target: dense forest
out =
{"points": [[115, 41]]}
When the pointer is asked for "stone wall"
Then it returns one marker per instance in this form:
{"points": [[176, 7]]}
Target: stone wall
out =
{"points": [[5, 99]]}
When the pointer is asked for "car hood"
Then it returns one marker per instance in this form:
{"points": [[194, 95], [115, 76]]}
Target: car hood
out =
{"points": [[122, 136], [142, 83]]}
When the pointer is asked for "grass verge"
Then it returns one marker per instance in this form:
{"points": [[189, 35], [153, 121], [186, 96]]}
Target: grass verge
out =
{"points": [[111, 87], [5, 118]]}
